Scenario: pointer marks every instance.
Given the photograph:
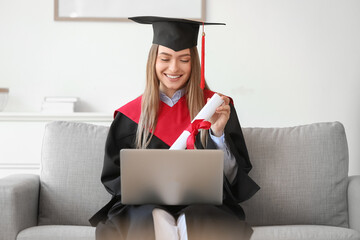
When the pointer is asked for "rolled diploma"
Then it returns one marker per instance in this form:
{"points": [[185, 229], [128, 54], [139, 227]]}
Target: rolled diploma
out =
{"points": [[205, 113]]}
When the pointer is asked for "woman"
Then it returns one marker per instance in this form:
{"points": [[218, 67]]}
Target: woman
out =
{"points": [[173, 97]]}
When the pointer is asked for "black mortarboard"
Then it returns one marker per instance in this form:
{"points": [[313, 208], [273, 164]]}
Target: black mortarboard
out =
{"points": [[174, 33], [177, 34]]}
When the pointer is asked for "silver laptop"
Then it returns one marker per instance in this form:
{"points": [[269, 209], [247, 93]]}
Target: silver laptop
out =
{"points": [[171, 177]]}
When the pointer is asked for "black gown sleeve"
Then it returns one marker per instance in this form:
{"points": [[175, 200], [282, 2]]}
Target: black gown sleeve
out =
{"points": [[121, 135], [243, 187]]}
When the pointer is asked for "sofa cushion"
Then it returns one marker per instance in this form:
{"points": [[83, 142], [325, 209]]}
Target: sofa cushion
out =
{"points": [[71, 164], [302, 172], [58, 232], [304, 232]]}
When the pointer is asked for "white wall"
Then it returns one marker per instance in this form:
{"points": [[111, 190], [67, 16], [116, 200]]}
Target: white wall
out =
{"points": [[290, 62], [284, 62]]}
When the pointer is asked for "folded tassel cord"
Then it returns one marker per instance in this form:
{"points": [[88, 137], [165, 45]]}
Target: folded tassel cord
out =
{"points": [[202, 83]]}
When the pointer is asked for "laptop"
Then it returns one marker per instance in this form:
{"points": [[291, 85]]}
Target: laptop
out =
{"points": [[171, 177]]}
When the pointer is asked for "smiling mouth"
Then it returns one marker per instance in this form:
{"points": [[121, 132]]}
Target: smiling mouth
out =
{"points": [[172, 76]]}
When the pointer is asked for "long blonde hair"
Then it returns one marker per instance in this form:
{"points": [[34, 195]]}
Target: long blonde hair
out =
{"points": [[151, 98]]}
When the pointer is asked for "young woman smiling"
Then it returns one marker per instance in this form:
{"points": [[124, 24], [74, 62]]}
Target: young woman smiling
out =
{"points": [[172, 98]]}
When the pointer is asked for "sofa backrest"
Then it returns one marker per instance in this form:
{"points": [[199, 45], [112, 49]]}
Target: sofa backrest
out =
{"points": [[303, 174], [71, 165]]}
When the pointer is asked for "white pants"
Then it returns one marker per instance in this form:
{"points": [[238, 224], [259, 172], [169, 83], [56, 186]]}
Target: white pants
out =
{"points": [[166, 228]]}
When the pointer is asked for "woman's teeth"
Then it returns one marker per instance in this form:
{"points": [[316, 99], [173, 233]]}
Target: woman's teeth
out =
{"points": [[172, 76]]}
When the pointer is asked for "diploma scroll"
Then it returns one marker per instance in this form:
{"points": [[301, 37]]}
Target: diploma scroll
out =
{"points": [[205, 114]]}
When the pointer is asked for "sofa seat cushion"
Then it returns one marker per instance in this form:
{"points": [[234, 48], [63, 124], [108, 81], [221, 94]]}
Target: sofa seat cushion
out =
{"points": [[286, 232], [57, 232], [304, 232]]}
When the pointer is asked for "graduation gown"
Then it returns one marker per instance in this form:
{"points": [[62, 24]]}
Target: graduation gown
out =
{"points": [[171, 122]]}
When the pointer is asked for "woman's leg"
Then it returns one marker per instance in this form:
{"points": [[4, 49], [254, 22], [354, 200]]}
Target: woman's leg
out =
{"points": [[205, 222], [131, 223], [181, 223], [165, 225]]}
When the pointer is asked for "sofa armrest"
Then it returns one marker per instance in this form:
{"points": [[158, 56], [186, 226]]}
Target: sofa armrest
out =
{"points": [[19, 196], [353, 202]]}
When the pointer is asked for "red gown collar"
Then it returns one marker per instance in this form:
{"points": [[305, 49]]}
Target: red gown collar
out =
{"points": [[172, 121]]}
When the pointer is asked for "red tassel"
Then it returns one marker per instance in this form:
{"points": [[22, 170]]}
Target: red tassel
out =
{"points": [[202, 83]]}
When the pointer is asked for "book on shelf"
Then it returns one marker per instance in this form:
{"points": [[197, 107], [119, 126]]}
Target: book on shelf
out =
{"points": [[59, 104]]}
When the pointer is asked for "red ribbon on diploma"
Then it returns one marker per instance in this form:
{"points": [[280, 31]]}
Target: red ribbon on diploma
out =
{"points": [[193, 128]]}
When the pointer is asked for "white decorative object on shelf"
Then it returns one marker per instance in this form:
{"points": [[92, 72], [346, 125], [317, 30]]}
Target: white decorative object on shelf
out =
{"points": [[4, 93], [59, 104]]}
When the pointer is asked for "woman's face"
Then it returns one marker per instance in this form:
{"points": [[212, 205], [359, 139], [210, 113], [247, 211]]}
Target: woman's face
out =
{"points": [[172, 69]]}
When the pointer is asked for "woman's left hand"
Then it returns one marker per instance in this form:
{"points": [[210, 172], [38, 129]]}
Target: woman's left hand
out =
{"points": [[220, 117]]}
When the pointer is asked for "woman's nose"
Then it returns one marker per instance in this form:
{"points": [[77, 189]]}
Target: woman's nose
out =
{"points": [[173, 66]]}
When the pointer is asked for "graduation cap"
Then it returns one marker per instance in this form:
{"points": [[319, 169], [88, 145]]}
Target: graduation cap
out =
{"points": [[177, 34]]}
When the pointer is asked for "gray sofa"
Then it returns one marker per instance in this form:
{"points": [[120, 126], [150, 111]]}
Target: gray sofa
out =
{"points": [[303, 173]]}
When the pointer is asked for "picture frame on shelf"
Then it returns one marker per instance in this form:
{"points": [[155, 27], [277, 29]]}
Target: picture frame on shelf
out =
{"points": [[120, 10]]}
